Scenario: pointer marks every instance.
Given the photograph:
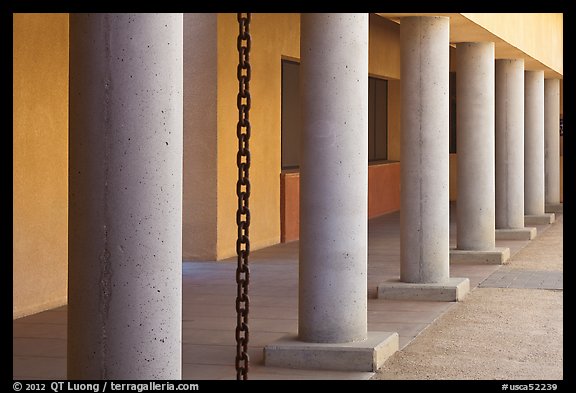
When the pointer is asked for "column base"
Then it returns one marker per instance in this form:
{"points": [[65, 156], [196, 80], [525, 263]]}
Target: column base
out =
{"points": [[367, 355], [526, 233], [539, 219], [554, 208], [496, 256], [454, 290]]}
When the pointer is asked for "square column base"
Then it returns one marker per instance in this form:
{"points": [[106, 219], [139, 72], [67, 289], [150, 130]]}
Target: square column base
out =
{"points": [[554, 208], [454, 290], [367, 355], [526, 233], [496, 256], [539, 219]]}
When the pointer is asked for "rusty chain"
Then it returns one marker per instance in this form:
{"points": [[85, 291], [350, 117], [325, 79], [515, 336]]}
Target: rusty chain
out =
{"points": [[243, 103]]}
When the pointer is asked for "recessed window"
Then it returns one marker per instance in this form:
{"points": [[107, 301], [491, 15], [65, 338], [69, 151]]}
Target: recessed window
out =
{"points": [[452, 112], [377, 119], [291, 120]]}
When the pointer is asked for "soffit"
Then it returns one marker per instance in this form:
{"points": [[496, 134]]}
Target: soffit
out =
{"points": [[463, 29]]}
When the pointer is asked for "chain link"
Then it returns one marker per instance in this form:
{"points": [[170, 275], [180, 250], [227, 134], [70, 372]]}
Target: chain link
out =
{"points": [[243, 129]]}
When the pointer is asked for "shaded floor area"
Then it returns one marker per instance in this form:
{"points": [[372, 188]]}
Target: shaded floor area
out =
{"points": [[209, 289]]}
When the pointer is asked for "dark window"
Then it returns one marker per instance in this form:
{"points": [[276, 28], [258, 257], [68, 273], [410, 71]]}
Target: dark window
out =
{"points": [[377, 117], [290, 115], [452, 112]]}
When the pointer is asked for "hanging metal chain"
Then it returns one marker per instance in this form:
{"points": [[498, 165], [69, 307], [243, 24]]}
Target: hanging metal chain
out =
{"points": [[243, 192]]}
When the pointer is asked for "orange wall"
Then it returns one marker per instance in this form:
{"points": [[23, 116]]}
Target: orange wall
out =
{"points": [[383, 196], [383, 188], [40, 162], [289, 206]]}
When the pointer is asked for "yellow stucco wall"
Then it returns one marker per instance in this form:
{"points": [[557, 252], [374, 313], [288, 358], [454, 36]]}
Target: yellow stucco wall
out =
{"points": [[40, 160], [384, 48], [540, 35], [273, 36]]}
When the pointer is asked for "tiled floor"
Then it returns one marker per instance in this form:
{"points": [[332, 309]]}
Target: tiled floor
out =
{"points": [[532, 279], [39, 341]]}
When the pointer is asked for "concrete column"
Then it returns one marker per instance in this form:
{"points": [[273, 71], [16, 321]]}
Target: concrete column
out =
{"points": [[125, 196], [534, 149], [199, 209], [424, 216], [333, 178], [475, 145], [510, 150], [424, 149], [475, 238], [552, 144], [332, 308]]}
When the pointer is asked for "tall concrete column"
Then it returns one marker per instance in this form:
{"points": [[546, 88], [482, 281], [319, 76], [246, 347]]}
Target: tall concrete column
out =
{"points": [[332, 307], [424, 215], [534, 149], [333, 179], [475, 230], [125, 196], [510, 151], [552, 144]]}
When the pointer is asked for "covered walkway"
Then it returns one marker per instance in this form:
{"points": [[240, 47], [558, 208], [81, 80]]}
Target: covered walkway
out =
{"points": [[209, 288]]}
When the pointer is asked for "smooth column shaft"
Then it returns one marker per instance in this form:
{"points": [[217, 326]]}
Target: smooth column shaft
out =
{"points": [[534, 142], [552, 140], [125, 196], [475, 146], [424, 236], [509, 143], [333, 178]]}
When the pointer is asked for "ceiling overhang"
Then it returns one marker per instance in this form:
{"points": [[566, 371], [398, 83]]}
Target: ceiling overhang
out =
{"points": [[463, 29]]}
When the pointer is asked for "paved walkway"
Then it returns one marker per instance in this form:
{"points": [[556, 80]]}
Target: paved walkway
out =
{"points": [[509, 328], [39, 341], [535, 279]]}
